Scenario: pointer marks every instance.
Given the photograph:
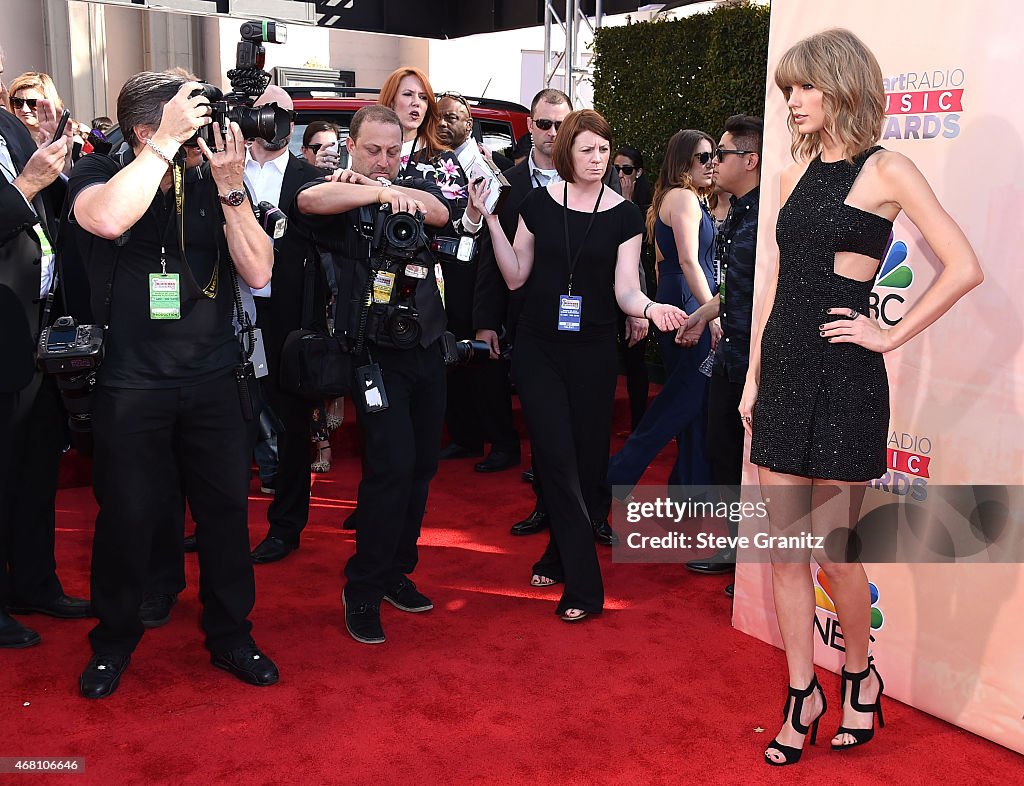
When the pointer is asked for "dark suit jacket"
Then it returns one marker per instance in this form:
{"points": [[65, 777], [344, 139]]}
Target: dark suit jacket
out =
{"points": [[20, 255], [291, 253]]}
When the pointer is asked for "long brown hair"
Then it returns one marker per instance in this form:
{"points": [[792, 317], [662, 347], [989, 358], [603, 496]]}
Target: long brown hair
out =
{"points": [[675, 170], [427, 132], [853, 95]]}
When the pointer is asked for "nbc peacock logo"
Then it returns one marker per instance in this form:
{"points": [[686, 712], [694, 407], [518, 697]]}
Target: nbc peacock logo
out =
{"points": [[894, 273], [828, 625]]}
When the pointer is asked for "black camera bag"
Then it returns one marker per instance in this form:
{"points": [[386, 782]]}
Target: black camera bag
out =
{"points": [[316, 361]]}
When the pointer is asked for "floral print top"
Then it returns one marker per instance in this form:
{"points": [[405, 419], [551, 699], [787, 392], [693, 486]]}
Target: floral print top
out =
{"points": [[442, 169]]}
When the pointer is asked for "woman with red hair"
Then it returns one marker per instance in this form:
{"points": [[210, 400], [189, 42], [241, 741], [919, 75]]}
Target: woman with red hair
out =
{"points": [[408, 92]]}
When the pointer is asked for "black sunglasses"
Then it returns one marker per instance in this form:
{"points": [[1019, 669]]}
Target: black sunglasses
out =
{"points": [[545, 125], [455, 97], [704, 158], [18, 103], [722, 152], [626, 169], [315, 147]]}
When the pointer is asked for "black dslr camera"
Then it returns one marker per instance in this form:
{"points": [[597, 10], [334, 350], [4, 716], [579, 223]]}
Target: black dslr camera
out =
{"points": [[397, 242], [72, 353], [248, 81]]}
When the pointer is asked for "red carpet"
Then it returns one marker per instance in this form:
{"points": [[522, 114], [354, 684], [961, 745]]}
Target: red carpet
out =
{"points": [[488, 688]]}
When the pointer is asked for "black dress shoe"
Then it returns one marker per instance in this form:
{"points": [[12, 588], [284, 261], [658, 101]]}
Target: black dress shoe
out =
{"points": [[496, 461], [362, 621], [271, 550], [535, 522], [155, 609], [191, 544], [604, 534], [729, 589], [722, 562], [528, 475], [102, 676], [406, 597], [248, 664], [455, 451], [62, 607], [14, 635]]}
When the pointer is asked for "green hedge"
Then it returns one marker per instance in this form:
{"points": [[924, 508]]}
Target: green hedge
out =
{"points": [[652, 79]]}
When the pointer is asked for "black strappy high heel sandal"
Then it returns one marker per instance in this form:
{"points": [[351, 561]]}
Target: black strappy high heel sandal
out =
{"points": [[860, 736], [795, 699]]}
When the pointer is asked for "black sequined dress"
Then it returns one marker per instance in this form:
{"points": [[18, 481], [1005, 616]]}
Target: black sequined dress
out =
{"points": [[822, 409]]}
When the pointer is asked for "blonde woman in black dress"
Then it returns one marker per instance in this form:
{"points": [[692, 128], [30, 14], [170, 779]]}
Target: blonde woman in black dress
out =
{"points": [[816, 398]]}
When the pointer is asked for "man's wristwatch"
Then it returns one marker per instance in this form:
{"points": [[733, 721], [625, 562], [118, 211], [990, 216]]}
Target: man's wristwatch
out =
{"points": [[232, 198], [385, 183]]}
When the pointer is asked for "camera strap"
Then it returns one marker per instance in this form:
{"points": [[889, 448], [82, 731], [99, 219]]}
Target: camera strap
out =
{"points": [[210, 290]]}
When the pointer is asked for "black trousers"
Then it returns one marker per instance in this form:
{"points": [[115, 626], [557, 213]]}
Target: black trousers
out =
{"points": [[154, 448], [568, 391], [289, 510], [400, 455], [478, 409], [634, 363], [31, 440], [725, 436]]}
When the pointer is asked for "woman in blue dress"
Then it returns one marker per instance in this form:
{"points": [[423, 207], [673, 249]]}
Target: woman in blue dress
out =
{"points": [[683, 231]]}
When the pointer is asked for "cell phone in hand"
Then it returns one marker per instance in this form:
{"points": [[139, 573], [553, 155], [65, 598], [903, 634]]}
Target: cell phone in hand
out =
{"points": [[62, 123]]}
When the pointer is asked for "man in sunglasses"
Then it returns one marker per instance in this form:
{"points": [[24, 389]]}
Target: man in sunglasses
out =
{"points": [[738, 171], [31, 427], [273, 175], [547, 111]]}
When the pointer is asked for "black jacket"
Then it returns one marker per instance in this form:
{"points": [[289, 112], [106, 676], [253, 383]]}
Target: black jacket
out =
{"points": [[20, 256]]}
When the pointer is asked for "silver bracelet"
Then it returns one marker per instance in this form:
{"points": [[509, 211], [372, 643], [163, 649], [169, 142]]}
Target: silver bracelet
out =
{"points": [[166, 158]]}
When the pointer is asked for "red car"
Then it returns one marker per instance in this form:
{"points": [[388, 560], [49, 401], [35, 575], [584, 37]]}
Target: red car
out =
{"points": [[498, 124]]}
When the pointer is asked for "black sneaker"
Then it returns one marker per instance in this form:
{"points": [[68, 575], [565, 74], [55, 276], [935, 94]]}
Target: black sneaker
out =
{"points": [[156, 608], [362, 620], [406, 597], [248, 664]]}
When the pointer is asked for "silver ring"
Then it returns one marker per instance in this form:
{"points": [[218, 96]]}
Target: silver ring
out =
{"points": [[854, 313], [746, 418]]}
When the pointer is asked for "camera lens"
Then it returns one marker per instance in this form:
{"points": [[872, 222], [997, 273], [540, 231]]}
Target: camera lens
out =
{"points": [[404, 330], [402, 232]]}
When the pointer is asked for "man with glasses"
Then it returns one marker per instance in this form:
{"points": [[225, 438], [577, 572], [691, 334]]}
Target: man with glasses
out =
{"points": [[479, 400], [547, 111], [738, 171]]}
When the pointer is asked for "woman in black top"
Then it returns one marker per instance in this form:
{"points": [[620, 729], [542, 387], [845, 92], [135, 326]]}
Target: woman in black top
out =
{"points": [[576, 252], [816, 398]]}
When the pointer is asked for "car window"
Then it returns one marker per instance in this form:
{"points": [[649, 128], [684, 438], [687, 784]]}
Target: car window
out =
{"points": [[304, 118], [496, 135]]}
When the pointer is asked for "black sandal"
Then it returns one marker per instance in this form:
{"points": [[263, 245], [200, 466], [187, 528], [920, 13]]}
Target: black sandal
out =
{"points": [[795, 699], [860, 736]]}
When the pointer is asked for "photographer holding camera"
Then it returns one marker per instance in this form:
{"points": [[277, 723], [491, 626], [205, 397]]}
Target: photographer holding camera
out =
{"points": [[369, 232], [162, 234]]}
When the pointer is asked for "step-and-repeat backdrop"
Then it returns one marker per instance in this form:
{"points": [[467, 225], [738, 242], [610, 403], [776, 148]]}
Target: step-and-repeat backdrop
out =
{"points": [[947, 637]]}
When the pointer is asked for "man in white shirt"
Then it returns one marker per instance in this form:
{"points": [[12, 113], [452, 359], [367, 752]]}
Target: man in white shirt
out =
{"points": [[273, 175], [479, 400]]}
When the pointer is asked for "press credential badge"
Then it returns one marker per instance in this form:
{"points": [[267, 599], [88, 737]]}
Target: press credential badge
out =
{"points": [[164, 296]]}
